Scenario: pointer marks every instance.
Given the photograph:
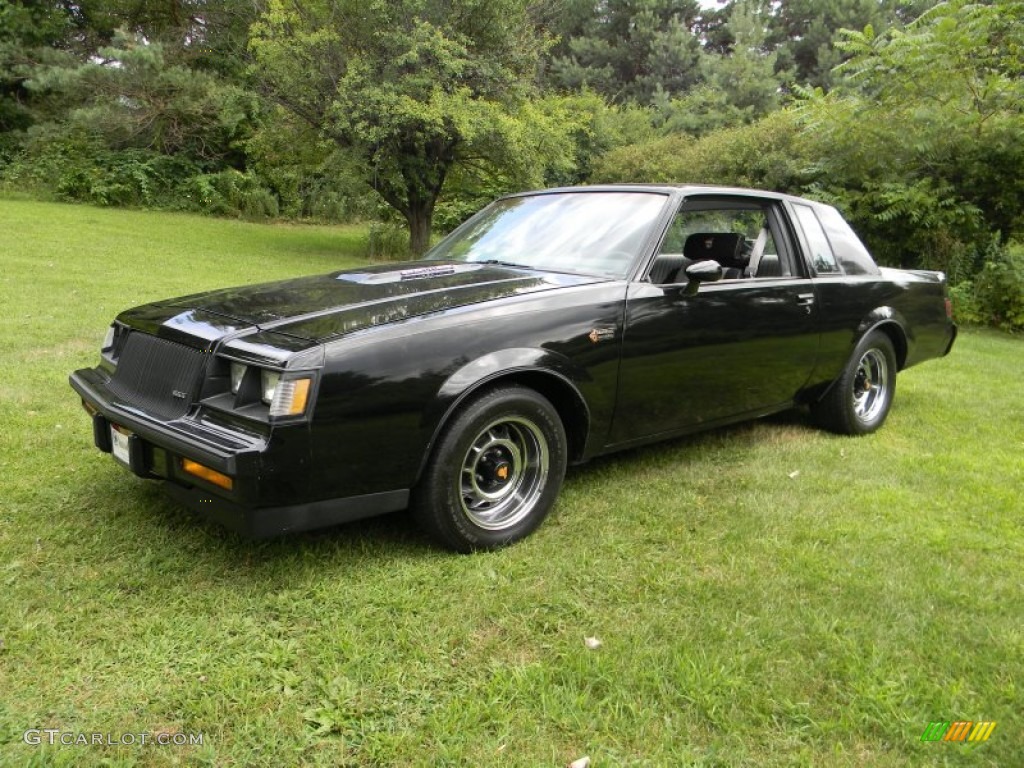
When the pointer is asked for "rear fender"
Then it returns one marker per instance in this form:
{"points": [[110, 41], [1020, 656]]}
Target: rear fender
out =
{"points": [[893, 323], [885, 319]]}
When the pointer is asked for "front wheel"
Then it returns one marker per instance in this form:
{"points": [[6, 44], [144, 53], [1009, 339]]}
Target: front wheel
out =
{"points": [[495, 472], [859, 400]]}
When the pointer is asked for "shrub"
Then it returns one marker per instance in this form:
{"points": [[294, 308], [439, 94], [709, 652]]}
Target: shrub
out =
{"points": [[766, 154], [966, 310], [995, 295], [232, 193], [999, 288], [387, 241]]}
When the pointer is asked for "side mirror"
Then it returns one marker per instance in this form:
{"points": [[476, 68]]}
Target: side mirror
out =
{"points": [[706, 271]]}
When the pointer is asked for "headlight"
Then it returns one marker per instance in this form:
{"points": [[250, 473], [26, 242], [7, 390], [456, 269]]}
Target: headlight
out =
{"points": [[268, 385], [237, 372], [108, 340], [289, 397]]}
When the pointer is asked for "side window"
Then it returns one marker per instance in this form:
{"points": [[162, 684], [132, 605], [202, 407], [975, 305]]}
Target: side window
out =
{"points": [[822, 258], [739, 235]]}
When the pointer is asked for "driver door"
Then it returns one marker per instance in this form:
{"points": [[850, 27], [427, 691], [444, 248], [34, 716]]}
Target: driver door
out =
{"points": [[742, 346]]}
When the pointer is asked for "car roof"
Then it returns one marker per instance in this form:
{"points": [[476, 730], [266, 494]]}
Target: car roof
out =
{"points": [[682, 190]]}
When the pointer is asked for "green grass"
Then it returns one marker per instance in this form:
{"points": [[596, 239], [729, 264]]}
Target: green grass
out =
{"points": [[766, 595]]}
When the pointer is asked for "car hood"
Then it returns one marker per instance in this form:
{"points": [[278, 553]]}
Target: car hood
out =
{"points": [[321, 307]]}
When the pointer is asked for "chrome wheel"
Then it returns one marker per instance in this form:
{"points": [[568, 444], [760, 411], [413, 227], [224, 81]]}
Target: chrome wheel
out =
{"points": [[858, 401], [495, 471], [871, 385], [504, 473]]}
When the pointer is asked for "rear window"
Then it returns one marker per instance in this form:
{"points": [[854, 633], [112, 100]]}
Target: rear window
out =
{"points": [[847, 247]]}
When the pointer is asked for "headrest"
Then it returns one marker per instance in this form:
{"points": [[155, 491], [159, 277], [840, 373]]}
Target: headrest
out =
{"points": [[727, 248]]}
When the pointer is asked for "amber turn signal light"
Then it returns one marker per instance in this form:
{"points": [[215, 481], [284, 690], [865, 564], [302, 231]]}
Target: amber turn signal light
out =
{"points": [[207, 474], [290, 398]]}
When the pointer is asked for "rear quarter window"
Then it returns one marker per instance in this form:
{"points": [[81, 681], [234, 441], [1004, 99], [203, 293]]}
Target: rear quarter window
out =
{"points": [[821, 256], [847, 247]]}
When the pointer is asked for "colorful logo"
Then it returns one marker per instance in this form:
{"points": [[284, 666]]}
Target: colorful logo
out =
{"points": [[961, 730]]}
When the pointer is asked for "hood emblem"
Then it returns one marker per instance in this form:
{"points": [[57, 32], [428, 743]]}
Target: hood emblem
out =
{"points": [[177, 393], [600, 334], [419, 273]]}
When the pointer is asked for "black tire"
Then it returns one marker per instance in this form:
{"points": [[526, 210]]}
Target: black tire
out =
{"points": [[495, 472], [859, 400]]}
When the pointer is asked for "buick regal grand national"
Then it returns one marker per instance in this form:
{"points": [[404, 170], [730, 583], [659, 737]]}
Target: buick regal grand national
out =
{"points": [[550, 328]]}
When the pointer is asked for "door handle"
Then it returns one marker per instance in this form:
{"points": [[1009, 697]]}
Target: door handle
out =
{"points": [[805, 300]]}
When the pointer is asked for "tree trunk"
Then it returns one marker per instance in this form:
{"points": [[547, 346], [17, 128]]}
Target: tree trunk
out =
{"points": [[419, 216]]}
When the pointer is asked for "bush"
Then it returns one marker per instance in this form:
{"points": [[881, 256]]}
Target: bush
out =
{"points": [[995, 295], [765, 154], [966, 310], [999, 289], [80, 173], [230, 193], [79, 168], [387, 241]]}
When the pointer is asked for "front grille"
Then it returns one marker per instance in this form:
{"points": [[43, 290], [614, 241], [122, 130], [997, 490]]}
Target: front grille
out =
{"points": [[159, 376]]}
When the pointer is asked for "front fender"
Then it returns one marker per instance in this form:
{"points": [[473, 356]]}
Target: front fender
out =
{"points": [[552, 374], [487, 367]]}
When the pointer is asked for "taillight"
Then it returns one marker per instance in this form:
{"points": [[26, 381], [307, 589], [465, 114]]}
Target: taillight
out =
{"points": [[949, 308]]}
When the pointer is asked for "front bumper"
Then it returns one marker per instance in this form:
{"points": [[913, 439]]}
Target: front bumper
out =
{"points": [[262, 500]]}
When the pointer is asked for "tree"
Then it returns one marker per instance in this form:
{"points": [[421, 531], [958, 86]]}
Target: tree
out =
{"points": [[203, 35], [746, 72], [129, 96], [627, 50], [804, 32], [160, 82], [921, 138], [411, 89], [30, 33]]}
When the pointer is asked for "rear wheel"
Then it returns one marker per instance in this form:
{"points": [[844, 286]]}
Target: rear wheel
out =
{"points": [[495, 472], [859, 400]]}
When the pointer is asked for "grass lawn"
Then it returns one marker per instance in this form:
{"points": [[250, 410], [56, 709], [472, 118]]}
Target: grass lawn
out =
{"points": [[766, 595]]}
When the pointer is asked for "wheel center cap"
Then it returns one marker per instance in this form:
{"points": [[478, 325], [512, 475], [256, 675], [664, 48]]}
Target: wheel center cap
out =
{"points": [[494, 470]]}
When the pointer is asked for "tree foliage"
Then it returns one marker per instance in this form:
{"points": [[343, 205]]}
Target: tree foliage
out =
{"points": [[918, 142], [628, 50], [129, 96], [206, 35], [768, 154], [746, 73], [421, 110], [805, 33], [30, 33], [411, 89], [921, 137]]}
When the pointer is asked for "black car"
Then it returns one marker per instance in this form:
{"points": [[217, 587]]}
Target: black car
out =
{"points": [[550, 328]]}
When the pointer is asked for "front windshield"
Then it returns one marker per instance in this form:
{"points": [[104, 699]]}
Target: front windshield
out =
{"points": [[590, 232]]}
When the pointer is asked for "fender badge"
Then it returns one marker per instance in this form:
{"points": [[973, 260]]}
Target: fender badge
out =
{"points": [[177, 393], [600, 334]]}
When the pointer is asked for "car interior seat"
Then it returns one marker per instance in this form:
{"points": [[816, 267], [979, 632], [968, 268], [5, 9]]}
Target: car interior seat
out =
{"points": [[769, 266], [668, 268], [727, 248]]}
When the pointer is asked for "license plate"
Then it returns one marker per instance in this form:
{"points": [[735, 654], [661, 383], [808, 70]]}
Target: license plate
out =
{"points": [[119, 444]]}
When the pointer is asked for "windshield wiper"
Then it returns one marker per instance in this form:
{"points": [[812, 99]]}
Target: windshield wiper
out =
{"points": [[500, 263]]}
